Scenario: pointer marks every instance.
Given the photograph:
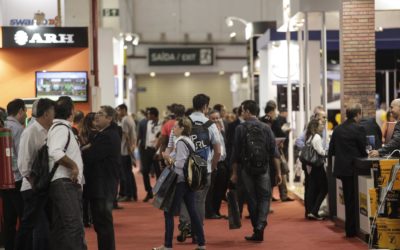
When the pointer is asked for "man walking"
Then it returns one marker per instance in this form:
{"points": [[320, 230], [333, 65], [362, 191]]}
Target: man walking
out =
{"points": [[34, 229], [254, 145]]}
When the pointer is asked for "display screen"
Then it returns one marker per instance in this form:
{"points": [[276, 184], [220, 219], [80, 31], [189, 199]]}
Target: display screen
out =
{"points": [[55, 84]]}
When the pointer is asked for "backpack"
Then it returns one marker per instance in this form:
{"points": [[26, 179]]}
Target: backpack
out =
{"points": [[200, 137], [195, 169], [40, 176], [254, 149]]}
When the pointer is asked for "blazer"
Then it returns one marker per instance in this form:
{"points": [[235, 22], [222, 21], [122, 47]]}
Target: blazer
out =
{"points": [[347, 143], [142, 131], [393, 144], [102, 163]]}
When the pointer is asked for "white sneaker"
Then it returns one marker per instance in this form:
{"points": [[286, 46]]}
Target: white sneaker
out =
{"points": [[162, 248]]}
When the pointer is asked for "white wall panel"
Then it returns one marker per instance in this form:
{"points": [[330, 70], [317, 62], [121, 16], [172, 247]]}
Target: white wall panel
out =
{"points": [[77, 13]]}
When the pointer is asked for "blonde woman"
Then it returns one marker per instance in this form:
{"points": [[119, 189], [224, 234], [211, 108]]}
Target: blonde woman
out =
{"points": [[182, 129]]}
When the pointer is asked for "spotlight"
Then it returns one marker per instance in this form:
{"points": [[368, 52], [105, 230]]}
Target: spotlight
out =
{"points": [[232, 35], [152, 74], [187, 74]]}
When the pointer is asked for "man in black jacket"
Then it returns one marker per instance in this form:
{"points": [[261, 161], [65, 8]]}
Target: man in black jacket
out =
{"points": [[394, 143], [104, 158], [347, 143]]}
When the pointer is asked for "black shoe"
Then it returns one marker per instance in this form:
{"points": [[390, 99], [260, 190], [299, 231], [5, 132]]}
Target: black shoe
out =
{"points": [[213, 217], [274, 199], [117, 207], [258, 236], [287, 199], [312, 216], [149, 196]]}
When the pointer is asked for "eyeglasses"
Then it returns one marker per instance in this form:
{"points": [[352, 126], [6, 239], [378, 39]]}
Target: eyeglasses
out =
{"points": [[100, 114]]}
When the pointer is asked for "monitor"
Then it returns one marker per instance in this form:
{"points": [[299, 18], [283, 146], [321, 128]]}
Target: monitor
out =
{"points": [[53, 84]]}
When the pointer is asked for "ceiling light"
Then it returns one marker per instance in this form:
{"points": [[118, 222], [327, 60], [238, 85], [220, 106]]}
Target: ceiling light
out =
{"points": [[221, 73], [152, 74], [187, 74], [229, 22], [136, 40], [128, 38], [232, 35], [380, 28]]}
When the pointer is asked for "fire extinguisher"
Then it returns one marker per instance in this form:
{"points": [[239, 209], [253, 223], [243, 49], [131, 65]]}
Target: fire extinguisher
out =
{"points": [[7, 180]]}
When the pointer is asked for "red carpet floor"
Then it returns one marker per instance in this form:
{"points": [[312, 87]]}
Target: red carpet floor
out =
{"points": [[140, 226]]}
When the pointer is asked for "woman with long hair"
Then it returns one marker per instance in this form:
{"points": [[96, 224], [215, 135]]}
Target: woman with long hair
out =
{"points": [[317, 186], [86, 135], [177, 159]]}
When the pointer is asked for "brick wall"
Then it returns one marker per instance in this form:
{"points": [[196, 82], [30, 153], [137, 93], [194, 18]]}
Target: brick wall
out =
{"points": [[357, 54]]}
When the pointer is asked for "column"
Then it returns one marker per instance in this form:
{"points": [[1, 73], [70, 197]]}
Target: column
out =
{"points": [[357, 55]]}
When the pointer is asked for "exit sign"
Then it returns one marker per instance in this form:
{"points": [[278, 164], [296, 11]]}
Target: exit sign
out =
{"points": [[110, 12]]}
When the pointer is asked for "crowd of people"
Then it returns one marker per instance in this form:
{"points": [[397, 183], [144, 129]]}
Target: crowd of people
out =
{"points": [[92, 158]]}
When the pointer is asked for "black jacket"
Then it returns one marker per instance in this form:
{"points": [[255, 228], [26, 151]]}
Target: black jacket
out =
{"points": [[102, 162], [347, 143], [372, 128], [393, 144]]}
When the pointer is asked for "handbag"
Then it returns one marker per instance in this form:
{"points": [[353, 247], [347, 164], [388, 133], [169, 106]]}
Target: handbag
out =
{"points": [[310, 156], [161, 179], [166, 191], [233, 210]]}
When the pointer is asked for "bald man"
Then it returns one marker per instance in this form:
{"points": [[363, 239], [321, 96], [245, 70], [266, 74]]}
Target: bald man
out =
{"points": [[394, 143]]}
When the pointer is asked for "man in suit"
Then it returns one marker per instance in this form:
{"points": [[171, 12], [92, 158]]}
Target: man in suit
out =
{"points": [[347, 143], [104, 158], [394, 143]]}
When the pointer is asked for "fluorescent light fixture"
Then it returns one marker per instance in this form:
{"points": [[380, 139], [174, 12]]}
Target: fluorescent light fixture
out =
{"points": [[187, 74], [153, 74]]}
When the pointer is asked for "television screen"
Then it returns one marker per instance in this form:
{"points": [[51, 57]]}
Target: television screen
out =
{"points": [[55, 84]]}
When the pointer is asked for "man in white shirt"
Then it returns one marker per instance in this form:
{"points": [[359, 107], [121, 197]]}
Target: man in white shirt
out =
{"points": [[148, 150], [33, 230], [65, 189]]}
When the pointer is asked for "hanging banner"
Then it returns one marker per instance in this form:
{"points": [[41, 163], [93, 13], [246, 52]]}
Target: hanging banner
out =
{"points": [[44, 37], [181, 56]]}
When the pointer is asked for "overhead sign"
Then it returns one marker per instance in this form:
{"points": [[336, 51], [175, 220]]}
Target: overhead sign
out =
{"points": [[110, 12], [44, 37], [181, 56]]}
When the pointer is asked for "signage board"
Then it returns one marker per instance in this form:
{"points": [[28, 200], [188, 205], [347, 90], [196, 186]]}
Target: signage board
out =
{"points": [[181, 56], [110, 12], [44, 37]]}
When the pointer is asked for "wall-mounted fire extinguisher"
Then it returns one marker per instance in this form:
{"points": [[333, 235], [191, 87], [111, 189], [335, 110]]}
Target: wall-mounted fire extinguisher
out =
{"points": [[7, 180]]}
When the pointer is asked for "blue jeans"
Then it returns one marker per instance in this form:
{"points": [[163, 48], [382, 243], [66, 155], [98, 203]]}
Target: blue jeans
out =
{"points": [[183, 192], [258, 189]]}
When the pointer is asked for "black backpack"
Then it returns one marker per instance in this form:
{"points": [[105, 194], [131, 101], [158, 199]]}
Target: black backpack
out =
{"points": [[195, 169], [200, 137], [254, 151], [40, 176]]}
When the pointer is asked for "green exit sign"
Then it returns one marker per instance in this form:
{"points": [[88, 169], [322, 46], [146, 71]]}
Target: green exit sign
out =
{"points": [[110, 12]]}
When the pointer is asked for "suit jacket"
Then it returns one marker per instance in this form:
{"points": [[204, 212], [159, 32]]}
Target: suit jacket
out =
{"points": [[347, 143], [102, 162], [372, 128], [230, 136], [394, 143], [142, 131]]}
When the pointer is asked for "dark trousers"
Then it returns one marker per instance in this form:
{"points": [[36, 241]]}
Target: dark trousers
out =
{"points": [[183, 192], [66, 228], [258, 189], [241, 192], [317, 189], [33, 231], [127, 180], [283, 192], [103, 223], [147, 160], [13, 210], [209, 206], [350, 206], [221, 186], [306, 191], [87, 214]]}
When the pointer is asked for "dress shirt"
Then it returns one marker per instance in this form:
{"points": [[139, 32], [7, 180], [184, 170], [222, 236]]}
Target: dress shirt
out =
{"points": [[16, 129], [32, 139], [56, 140], [153, 128]]}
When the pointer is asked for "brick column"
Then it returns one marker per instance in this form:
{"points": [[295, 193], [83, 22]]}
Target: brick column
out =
{"points": [[357, 55]]}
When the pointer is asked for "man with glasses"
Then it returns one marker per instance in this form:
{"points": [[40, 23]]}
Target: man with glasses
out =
{"points": [[12, 199], [103, 156]]}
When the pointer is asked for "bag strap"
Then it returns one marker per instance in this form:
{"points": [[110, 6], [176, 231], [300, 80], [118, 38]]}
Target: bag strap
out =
{"points": [[189, 147], [55, 167]]}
